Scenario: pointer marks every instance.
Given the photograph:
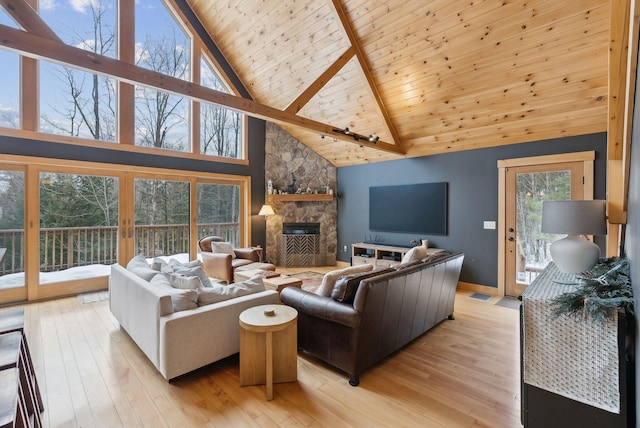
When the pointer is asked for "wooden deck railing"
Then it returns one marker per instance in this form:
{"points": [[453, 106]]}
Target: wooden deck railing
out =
{"points": [[66, 247]]}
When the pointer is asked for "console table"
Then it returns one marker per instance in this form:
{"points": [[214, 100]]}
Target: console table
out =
{"points": [[381, 255], [575, 373]]}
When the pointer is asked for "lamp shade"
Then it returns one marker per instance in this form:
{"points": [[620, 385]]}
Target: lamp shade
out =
{"points": [[574, 217], [574, 254], [266, 210]]}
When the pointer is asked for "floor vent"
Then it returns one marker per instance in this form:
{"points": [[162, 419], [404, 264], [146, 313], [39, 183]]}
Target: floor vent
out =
{"points": [[480, 296]]}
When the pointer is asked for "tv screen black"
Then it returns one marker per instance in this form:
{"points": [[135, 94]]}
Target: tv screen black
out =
{"points": [[411, 208]]}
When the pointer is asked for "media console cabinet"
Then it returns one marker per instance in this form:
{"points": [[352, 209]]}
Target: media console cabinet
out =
{"points": [[381, 255]]}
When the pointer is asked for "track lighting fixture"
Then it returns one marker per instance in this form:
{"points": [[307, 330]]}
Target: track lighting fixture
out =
{"points": [[356, 137]]}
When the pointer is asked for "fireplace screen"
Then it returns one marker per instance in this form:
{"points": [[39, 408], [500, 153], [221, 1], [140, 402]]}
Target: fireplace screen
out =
{"points": [[300, 244]]}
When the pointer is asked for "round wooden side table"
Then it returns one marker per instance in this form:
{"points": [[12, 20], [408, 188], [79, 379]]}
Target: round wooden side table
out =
{"points": [[268, 346]]}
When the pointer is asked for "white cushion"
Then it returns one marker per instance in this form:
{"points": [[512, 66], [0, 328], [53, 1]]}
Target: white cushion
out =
{"points": [[140, 267], [415, 254], [219, 293], [158, 263], [182, 299], [178, 264], [329, 279], [184, 282], [187, 269], [223, 248]]}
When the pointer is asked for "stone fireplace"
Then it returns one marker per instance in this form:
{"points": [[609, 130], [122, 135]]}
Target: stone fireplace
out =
{"points": [[286, 155]]}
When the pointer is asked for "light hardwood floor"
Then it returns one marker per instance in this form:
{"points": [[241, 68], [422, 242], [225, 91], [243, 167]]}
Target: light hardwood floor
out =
{"points": [[462, 373]]}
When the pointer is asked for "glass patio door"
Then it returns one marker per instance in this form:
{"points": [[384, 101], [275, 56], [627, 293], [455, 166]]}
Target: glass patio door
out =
{"points": [[162, 212], [527, 187], [12, 235], [63, 224], [78, 231]]}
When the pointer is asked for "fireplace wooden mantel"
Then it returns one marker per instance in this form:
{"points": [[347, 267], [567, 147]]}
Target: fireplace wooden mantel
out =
{"points": [[300, 197]]}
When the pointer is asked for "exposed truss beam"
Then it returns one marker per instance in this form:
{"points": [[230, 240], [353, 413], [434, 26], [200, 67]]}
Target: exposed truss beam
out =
{"points": [[324, 78], [364, 68], [28, 19], [51, 50]]}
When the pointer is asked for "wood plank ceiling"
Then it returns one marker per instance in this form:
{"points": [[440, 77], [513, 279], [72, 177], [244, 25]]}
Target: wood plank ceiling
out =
{"points": [[427, 76]]}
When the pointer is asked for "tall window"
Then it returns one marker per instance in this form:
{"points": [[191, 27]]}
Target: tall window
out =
{"points": [[161, 45], [77, 104], [73, 102], [86, 24], [9, 86], [220, 127], [9, 90]]}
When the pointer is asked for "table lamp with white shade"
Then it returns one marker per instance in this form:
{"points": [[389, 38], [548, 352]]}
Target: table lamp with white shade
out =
{"points": [[574, 253]]}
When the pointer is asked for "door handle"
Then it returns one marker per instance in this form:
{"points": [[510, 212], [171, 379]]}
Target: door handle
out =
{"points": [[510, 230], [511, 239]]}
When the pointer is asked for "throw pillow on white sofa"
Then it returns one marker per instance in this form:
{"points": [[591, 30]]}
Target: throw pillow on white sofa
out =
{"points": [[192, 268], [184, 282], [219, 293], [140, 267], [181, 299]]}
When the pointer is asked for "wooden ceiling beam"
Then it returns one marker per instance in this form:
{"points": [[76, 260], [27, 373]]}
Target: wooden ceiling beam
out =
{"points": [[618, 55], [623, 48], [28, 19], [38, 47], [322, 80], [364, 68]]}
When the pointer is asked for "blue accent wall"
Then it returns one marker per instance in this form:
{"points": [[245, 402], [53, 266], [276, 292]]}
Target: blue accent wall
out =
{"points": [[473, 198]]}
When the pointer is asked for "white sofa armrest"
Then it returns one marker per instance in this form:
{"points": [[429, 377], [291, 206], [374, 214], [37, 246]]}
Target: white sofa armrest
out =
{"points": [[138, 308], [194, 338]]}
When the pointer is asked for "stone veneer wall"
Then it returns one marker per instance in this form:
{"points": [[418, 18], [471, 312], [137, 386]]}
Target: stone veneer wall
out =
{"points": [[285, 155]]}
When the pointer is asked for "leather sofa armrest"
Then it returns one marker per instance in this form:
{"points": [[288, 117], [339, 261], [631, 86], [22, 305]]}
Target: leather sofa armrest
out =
{"points": [[321, 307], [247, 253], [217, 265]]}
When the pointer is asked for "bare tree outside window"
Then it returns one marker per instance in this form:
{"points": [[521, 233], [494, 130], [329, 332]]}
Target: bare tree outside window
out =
{"points": [[85, 103], [9, 103], [532, 190], [162, 118], [220, 127]]}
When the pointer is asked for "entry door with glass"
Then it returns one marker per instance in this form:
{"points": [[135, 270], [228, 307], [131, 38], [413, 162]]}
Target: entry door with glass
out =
{"points": [[526, 188]]}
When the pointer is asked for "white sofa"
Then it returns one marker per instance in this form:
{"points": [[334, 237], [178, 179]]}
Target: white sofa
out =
{"points": [[177, 342]]}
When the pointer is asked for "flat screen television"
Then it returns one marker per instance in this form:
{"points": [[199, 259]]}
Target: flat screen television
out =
{"points": [[410, 208]]}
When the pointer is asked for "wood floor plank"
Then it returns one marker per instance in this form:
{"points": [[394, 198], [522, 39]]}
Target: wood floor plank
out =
{"points": [[462, 373]]}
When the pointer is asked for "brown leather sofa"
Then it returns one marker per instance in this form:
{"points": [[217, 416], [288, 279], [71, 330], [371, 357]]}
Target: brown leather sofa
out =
{"points": [[390, 309], [223, 266]]}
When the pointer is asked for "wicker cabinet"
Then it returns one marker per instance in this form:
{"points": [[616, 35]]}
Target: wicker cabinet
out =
{"points": [[575, 373]]}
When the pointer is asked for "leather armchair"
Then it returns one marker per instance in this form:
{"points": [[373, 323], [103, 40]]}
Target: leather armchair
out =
{"points": [[223, 266]]}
